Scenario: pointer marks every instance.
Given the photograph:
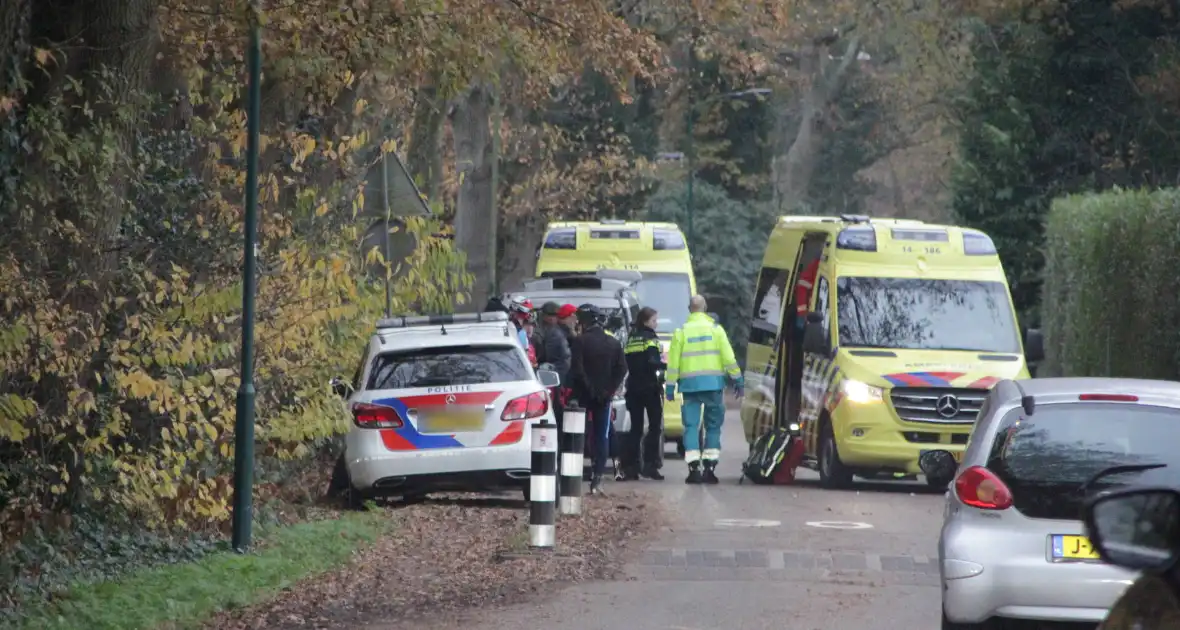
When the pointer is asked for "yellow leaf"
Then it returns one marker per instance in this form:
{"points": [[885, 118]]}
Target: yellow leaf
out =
{"points": [[43, 57], [221, 374], [359, 107]]}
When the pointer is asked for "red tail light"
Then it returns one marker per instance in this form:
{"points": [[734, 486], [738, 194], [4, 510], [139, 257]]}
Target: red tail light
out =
{"points": [[370, 416], [526, 407], [1109, 397], [981, 488]]}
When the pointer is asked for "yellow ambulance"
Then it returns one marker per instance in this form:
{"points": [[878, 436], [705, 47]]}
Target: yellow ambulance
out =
{"points": [[657, 250], [905, 329]]}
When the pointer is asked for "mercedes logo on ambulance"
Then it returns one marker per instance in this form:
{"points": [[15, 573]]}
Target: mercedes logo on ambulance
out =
{"points": [[947, 406], [451, 399]]}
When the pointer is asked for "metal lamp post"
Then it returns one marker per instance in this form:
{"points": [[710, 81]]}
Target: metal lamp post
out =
{"points": [[243, 502], [691, 153]]}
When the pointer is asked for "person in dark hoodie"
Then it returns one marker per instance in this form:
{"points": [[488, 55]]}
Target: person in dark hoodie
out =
{"points": [[643, 455], [553, 347], [597, 370]]}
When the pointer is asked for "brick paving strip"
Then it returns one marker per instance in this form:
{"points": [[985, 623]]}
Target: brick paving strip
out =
{"points": [[774, 564]]}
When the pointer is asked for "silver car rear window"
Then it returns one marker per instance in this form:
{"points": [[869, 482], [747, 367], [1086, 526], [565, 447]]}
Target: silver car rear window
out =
{"points": [[448, 365], [1045, 458]]}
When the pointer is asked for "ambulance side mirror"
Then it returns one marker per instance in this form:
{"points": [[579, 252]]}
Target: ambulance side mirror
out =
{"points": [[814, 339], [1034, 345]]}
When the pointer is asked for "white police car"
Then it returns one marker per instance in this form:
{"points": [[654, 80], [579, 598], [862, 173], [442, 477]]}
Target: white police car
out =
{"points": [[441, 403]]}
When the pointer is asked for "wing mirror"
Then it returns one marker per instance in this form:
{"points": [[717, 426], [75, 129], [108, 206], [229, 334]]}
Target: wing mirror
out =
{"points": [[614, 323], [814, 339], [548, 378], [340, 387], [1136, 529], [1034, 345]]}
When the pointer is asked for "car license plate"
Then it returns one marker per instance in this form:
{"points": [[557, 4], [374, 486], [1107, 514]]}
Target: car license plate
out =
{"points": [[957, 455], [451, 422], [1073, 548]]}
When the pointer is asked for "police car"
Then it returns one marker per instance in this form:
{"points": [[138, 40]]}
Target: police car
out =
{"points": [[441, 403]]}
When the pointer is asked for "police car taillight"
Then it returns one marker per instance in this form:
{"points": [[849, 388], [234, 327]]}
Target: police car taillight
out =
{"points": [[370, 416], [526, 407]]}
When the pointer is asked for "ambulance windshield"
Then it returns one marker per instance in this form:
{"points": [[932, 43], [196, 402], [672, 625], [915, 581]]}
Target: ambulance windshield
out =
{"points": [[669, 294], [924, 314]]}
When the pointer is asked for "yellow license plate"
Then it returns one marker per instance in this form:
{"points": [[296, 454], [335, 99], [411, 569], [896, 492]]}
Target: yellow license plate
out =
{"points": [[451, 423], [1073, 548]]}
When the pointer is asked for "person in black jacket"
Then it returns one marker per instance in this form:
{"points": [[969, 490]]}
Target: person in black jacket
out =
{"points": [[597, 371], [645, 382], [553, 347]]}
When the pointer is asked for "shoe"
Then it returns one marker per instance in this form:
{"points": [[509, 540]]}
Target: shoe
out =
{"points": [[596, 485], [694, 473], [710, 477], [627, 474], [652, 473]]}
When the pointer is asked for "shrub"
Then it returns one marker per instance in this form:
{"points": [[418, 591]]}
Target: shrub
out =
{"points": [[1110, 300]]}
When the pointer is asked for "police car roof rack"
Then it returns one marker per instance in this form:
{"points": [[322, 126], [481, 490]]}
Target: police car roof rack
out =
{"points": [[441, 320]]}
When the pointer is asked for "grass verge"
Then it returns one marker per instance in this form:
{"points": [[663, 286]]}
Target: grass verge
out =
{"points": [[184, 595]]}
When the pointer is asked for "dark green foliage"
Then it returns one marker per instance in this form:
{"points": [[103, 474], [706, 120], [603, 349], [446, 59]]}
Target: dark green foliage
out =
{"points": [[1054, 108], [1110, 304], [182, 591], [731, 237], [95, 547]]}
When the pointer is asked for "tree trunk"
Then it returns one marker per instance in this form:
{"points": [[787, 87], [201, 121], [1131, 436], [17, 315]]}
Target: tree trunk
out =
{"points": [[521, 235], [793, 170], [14, 42], [424, 155], [474, 211], [110, 46]]}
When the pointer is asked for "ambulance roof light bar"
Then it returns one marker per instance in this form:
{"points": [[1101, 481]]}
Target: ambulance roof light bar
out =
{"points": [[441, 320]]}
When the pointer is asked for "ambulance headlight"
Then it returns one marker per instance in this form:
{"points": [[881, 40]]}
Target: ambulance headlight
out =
{"points": [[861, 393]]}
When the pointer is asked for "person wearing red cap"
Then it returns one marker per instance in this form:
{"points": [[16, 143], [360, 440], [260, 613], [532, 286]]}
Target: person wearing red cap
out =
{"points": [[566, 315]]}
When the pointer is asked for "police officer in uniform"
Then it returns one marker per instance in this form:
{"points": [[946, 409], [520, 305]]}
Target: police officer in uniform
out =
{"points": [[645, 375], [699, 361]]}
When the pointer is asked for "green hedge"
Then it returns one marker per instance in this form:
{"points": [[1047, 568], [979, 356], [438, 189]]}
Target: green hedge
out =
{"points": [[1111, 304]]}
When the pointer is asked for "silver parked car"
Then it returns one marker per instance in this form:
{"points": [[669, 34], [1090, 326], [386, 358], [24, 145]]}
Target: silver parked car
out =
{"points": [[1013, 544]]}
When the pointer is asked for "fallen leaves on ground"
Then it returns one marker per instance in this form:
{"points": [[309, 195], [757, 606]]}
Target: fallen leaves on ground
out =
{"points": [[457, 552]]}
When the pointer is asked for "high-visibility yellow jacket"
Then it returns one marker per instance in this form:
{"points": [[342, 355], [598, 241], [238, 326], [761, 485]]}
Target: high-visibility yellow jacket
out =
{"points": [[700, 356]]}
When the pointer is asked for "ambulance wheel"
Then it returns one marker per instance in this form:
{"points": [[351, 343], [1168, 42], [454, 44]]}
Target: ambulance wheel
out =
{"points": [[832, 472], [680, 448]]}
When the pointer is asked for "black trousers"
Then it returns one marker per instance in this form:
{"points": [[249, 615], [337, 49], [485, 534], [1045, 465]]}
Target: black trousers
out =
{"points": [[640, 449], [558, 415]]}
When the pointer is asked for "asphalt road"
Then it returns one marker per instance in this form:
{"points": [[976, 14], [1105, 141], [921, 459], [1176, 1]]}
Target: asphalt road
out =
{"points": [[737, 557]]}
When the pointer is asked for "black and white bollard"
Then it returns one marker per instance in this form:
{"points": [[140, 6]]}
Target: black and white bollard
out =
{"points": [[572, 457], [543, 486]]}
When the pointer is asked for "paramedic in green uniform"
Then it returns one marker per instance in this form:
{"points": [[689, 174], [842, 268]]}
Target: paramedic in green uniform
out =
{"points": [[699, 361]]}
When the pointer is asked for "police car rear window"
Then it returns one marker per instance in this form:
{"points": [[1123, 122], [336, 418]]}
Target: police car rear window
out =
{"points": [[449, 365]]}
